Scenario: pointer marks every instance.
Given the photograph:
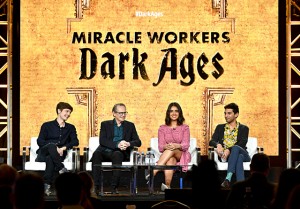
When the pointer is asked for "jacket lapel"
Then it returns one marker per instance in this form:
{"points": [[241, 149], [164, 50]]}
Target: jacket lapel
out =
{"points": [[111, 128], [125, 129]]}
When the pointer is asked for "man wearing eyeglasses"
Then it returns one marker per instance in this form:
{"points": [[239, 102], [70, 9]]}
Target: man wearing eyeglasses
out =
{"points": [[117, 138]]}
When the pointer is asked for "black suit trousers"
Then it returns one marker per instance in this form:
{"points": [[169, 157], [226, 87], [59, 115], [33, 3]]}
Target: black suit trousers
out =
{"points": [[49, 154], [116, 157]]}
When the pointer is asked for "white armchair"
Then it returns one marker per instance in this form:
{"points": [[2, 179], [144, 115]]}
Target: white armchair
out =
{"points": [[87, 165], [71, 162], [90, 149], [252, 148]]}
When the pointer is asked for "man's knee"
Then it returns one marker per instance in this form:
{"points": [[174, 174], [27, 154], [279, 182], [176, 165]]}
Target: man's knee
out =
{"points": [[241, 157], [48, 160], [117, 154], [97, 157], [117, 157], [51, 148], [235, 148]]}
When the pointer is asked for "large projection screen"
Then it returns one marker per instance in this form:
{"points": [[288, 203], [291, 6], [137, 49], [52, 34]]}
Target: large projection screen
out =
{"points": [[146, 54]]}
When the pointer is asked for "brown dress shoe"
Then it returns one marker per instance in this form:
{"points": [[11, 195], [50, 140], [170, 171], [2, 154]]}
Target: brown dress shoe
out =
{"points": [[225, 184]]}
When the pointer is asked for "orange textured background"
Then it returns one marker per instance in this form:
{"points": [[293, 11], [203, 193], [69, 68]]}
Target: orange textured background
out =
{"points": [[50, 63]]}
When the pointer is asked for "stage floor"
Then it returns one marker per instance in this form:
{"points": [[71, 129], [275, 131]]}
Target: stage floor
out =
{"points": [[143, 200]]}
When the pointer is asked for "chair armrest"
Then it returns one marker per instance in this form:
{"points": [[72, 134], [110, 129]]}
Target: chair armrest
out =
{"points": [[211, 152], [133, 155], [25, 156], [85, 157], [198, 150], [76, 158]]}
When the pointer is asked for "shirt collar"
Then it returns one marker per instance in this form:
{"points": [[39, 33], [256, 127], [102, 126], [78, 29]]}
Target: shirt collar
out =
{"points": [[63, 125], [115, 123], [237, 126]]}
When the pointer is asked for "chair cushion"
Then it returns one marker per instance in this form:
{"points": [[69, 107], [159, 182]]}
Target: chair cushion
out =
{"points": [[93, 145], [251, 148], [41, 166]]}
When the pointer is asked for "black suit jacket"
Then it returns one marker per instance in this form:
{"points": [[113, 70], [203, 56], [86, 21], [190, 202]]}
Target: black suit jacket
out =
{"points": [[218, 136], [107, 136]]}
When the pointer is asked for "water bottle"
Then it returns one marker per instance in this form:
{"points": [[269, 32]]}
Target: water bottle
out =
{"points": [[152, 158], [147, 160], [211, 153], [143, 158], [135, 158]]}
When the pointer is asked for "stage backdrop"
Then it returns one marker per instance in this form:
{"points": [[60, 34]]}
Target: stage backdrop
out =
{"points": [[146, 54]]}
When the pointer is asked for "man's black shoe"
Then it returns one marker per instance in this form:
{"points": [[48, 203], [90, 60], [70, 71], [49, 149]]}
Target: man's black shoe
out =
{"points": [[225, 184], [47, 189], [115, 190], [97, 190], [63, 170]]}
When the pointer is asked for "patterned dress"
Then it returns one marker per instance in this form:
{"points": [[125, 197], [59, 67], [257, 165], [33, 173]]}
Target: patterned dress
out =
{"points": [[180, 135]]}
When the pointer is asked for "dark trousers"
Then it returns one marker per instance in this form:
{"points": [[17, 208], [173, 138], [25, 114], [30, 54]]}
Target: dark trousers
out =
{"points": [[115, 157], [49, 154]]}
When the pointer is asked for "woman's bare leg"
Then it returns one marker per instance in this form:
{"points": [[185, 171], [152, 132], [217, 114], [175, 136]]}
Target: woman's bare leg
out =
{"points": [[169, 173], [166, 156]]}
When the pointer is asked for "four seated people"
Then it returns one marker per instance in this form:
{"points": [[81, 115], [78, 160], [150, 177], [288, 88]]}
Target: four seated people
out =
{"points": [[118, 137]]}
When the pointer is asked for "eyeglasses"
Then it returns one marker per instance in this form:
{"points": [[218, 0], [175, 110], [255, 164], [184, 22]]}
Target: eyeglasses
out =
{"points": [[122, 113]]}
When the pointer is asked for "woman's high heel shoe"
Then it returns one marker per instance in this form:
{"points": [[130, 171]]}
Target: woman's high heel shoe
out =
{"points": [[147, 177], [163, 187]]}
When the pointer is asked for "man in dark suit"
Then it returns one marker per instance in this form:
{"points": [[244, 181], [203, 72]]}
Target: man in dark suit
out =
{"points": [[117, 138], [256, 191]]}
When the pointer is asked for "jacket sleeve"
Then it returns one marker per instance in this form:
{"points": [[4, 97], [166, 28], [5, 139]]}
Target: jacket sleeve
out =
{"points": [[73, 140], [161, 139], [185, 143], [41, 140], [132, 136], [242, 137], [217, 137]]}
